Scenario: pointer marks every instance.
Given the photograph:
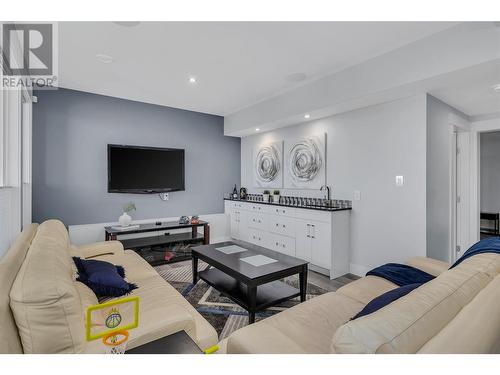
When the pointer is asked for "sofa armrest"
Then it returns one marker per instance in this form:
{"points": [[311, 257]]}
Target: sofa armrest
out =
{"points": [[261, 338], [98, 248], [432, 266]]}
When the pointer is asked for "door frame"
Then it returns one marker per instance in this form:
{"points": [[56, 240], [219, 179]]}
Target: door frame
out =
{"points": [[459, 126], [475, 173]]}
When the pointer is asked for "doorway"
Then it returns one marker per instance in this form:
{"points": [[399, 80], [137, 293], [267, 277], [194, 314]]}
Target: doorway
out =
{"points": [[460, 186], [489, 183]]}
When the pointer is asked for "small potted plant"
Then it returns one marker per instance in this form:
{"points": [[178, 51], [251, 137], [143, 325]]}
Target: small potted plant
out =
{"points": [[276, 196], [125, 218], [266, 195]]}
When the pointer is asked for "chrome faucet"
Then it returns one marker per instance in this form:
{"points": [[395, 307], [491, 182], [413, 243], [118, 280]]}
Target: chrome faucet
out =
{"points": [[328, 191]]}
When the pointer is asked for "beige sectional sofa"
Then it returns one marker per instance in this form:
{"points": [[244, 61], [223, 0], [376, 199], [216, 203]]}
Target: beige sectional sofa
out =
{"points": [[457, 312], [42, 307]]}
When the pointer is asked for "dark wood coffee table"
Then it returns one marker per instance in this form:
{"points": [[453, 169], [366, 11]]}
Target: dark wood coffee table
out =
{"points": [[254, 288]]}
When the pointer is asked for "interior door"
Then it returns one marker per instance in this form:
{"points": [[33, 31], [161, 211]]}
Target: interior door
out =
{"points": [[321, 252], [462, 208], [235, 231]]}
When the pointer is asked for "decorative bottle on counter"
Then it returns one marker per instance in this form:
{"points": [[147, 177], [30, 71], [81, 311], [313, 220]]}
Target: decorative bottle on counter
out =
{"points": [[235, 192]]}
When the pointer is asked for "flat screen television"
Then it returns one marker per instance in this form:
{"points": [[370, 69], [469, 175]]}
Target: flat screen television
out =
{"points": [[143, 170]]}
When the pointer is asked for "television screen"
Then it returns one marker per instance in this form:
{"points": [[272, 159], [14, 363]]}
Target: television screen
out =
{"points": [[134, 169]]}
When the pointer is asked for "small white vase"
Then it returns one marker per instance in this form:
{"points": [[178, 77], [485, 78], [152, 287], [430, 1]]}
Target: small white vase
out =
{"points": [[125, 220]]}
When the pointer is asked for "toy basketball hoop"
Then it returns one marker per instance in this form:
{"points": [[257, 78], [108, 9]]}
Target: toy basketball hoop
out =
{"points": [[116, 343], [111, 321]]}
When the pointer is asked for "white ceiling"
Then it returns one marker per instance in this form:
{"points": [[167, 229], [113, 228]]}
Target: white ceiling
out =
{"points": [[236, 64], [473, 94]]}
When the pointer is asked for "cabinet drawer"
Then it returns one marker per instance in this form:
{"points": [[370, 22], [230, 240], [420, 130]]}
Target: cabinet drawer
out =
{"points": [[283, 211], [234, 205], [315, 215], [256, 220], [257, 237], [282, 225], [282, 244], [256, 207]]}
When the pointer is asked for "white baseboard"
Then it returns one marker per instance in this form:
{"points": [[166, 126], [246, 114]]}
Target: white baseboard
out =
{"points": [[358, 270], [220, 239]]}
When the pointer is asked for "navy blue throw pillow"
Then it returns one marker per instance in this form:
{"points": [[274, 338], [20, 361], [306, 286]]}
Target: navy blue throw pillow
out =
{"points": [[385, 299], [105, 279]]}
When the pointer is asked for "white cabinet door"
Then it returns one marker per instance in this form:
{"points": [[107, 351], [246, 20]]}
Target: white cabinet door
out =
{"points": [[235, 227], [257, 237], [282, 225], [242, 225], [321, 246], [303, 239], [281, 244], [257, 220]]}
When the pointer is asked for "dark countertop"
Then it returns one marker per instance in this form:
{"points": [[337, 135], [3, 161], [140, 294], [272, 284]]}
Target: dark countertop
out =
{"points": [[318, 208]]}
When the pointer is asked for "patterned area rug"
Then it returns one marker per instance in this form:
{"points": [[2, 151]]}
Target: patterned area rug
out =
{"points": [[224, 315]]}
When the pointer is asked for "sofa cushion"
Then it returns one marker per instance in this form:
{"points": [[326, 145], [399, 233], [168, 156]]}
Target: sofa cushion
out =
{"points": [[407, 324], [104, 278], [10, 263], [432, 266], [137, 268], [383, 300], [366, 289], [304, 328], [44, 300], [162, 309], [475, 330]]}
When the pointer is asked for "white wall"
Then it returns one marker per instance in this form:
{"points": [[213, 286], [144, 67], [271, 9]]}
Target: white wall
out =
{"points": [[11, 169], [439, 150], [366, 149], [490, 171]]}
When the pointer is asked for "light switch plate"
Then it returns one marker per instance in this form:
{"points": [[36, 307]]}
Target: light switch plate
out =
{"points": [[400, 181]]}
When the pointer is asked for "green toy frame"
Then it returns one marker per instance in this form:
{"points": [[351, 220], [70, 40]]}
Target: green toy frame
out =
{"points": [[117, 302]]}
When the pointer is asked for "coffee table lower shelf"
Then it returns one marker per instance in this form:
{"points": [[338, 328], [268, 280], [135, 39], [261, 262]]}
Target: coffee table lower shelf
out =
{"points": [[267, 294]]}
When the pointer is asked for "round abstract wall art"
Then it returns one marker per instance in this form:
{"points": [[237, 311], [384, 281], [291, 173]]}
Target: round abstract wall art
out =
{"points": [[268, 165], [305, 160]]}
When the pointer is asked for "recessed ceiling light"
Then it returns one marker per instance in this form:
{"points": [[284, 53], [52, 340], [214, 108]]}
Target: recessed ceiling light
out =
{"points": [[307, 115], [126, 23], [497, 87], [105, 59], [257, 129], [192, 80]]}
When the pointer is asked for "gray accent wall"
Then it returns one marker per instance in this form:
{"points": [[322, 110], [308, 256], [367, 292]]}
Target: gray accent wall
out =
{"points": [[71, 131]]}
